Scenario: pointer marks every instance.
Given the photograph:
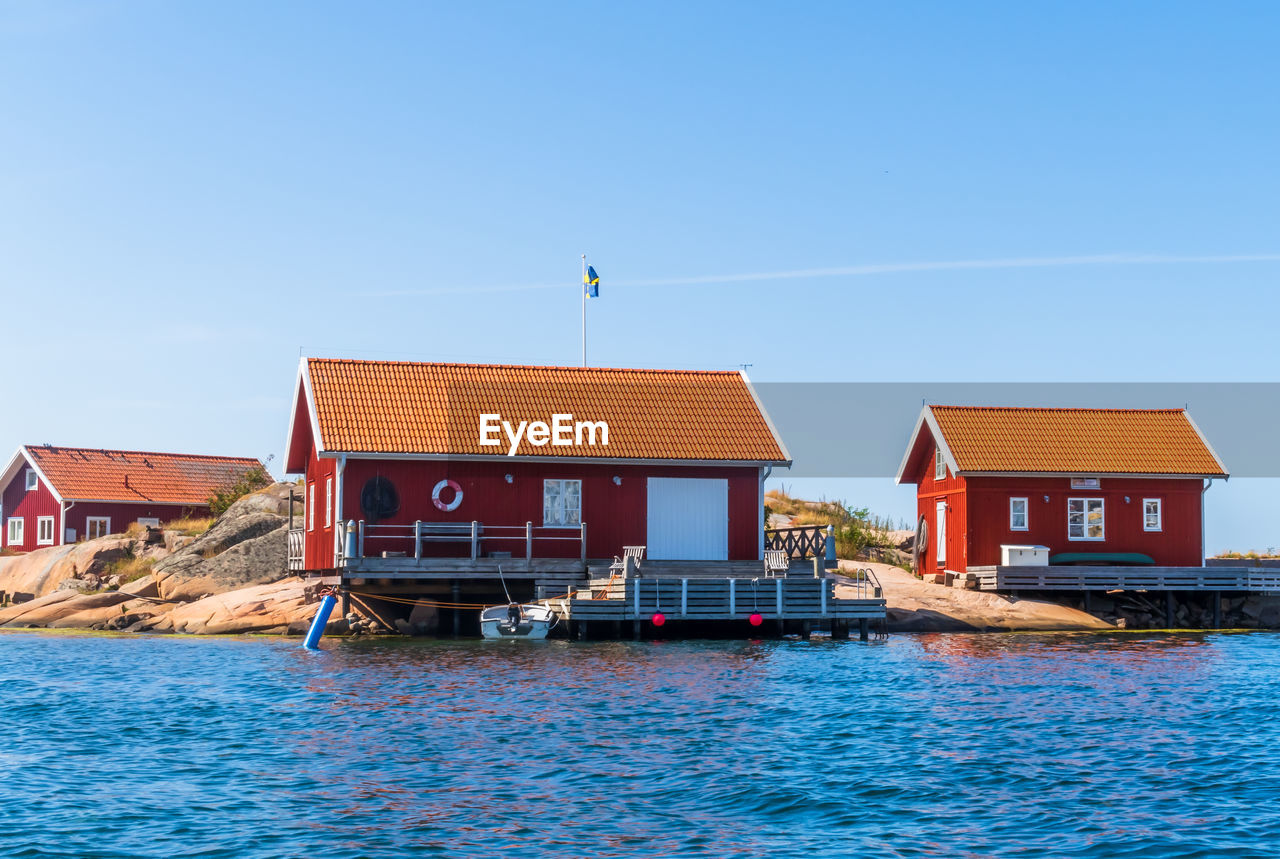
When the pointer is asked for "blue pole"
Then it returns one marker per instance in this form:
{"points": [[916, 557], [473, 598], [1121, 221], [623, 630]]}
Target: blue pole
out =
{"points": [[322, 618]]}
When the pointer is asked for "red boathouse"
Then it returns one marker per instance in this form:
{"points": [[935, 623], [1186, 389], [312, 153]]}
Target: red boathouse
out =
{"points": [[50, 496], [1106, 484], [452, 468]]}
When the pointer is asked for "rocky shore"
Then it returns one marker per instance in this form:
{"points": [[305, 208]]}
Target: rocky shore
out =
{"points": [[230, 579]]}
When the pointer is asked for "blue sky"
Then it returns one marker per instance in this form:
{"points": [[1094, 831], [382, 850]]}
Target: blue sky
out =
{"points": [[191, 194]]}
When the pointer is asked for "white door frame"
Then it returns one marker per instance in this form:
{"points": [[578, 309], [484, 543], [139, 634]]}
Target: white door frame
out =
{"points": [[941, 516], [88, 526]]}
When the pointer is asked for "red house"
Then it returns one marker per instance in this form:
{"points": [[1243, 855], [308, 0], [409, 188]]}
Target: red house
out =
{"points": [[55, 495], [1106, 484], [477, 463]]}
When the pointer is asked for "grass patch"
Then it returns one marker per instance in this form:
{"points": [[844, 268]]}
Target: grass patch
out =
{"points": [[190, 527], [1269, 554], [129, 569]]}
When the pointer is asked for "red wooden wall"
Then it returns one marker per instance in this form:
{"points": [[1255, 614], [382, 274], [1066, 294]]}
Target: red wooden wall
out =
{"points": [[122, 515], [1176, 545], [952, 490], [615, 514], [18, 502]]}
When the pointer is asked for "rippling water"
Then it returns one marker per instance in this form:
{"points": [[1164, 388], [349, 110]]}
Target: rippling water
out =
{"points": [[946, 745]]}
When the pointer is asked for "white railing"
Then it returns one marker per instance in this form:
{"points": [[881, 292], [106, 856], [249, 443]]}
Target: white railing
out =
{"points": [[417, 540], [1085, 578], [296, 538]]}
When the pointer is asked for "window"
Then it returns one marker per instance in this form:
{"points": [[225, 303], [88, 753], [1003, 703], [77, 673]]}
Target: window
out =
{"points": [[97, 526], [15, 531], [311, 506], [1152, 520], [32, 480], [1017, 514], [562, 503], [939, 465], [149, 521], [44, 531], [1085, 519], [328, 502]]}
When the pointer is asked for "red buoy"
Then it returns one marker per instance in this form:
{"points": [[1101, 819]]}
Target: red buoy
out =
{"points": [[756, 619], [659, 618]]}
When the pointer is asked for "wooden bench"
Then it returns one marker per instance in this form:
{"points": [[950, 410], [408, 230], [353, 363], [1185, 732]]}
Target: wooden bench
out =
{"points": [[776, 561], [635, 553], [451, 532]]}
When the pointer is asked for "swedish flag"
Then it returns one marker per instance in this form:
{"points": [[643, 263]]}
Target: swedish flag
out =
{"points": [[591, 282]]}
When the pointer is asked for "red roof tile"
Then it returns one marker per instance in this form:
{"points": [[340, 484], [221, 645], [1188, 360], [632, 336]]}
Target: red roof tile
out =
{"points": [[1075, 441], [395, 407], [129, 475]]}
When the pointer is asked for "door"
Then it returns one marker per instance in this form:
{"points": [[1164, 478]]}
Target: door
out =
{"points": [[942, 534], [688, 519], [97, 526]]}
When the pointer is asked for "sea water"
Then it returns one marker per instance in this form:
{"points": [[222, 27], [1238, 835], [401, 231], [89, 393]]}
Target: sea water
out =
{"points": [[1131, 745]]}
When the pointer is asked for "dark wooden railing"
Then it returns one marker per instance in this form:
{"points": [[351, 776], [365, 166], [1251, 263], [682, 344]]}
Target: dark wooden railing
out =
{"points": [[804, 541]]}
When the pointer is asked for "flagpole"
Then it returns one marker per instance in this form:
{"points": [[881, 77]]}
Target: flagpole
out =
{"points": [[584, 310]]}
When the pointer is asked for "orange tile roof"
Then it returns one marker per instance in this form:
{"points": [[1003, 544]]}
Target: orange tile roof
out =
{"points": [[130, 475], [1090, 441], [395, 407]]}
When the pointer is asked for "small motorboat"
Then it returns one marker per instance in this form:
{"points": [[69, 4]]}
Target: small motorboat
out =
{"points": [[499, 621]]}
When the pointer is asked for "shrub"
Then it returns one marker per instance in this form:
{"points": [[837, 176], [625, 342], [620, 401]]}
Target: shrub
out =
{"points": [[251, 481], [190, 527]]}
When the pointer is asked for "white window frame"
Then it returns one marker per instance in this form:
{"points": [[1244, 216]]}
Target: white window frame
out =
{"points": [[311, 506], [1026, 514], [149, 521], [1084, 524], [33, 480], [939, 465], [1159, 502], [561, 519], [88, 526], [328, 502], [14, 536], [43, 522]]}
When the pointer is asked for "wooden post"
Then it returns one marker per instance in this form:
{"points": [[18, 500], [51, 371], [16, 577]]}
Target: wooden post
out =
{"points": [[528, 541], [345, 590], [635, 629], [1088, 605], [457, 615], [291, 498], [864, 629], [806, 630], [360, 535], [1168, 609], [819, 571], [417, 539], [1217, 609], [839, 629], [475, 539], [583, 528]]}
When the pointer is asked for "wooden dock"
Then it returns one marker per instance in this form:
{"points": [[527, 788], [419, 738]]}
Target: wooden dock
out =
{"points": [[799, 603], [1220, 578]]}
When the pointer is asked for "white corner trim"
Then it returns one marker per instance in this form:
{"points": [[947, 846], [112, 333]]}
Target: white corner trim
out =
{"points": [[926, 418], [764, 413], [1226, 475]]}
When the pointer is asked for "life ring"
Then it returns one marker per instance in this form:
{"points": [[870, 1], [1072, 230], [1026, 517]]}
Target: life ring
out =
{"points": [[457, 495]]}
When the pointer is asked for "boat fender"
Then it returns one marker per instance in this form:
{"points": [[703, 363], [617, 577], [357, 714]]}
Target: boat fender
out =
{"points": [[457, 495]]}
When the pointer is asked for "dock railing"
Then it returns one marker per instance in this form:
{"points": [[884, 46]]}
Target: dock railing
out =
{"points": [[1097, 578], [801, 541], [416, 540]]}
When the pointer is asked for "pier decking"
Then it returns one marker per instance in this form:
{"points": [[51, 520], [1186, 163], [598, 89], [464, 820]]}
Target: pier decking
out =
{"points": [[801, 603]]}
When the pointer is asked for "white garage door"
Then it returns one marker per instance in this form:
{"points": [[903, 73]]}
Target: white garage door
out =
{"points": [[688, 519]]}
